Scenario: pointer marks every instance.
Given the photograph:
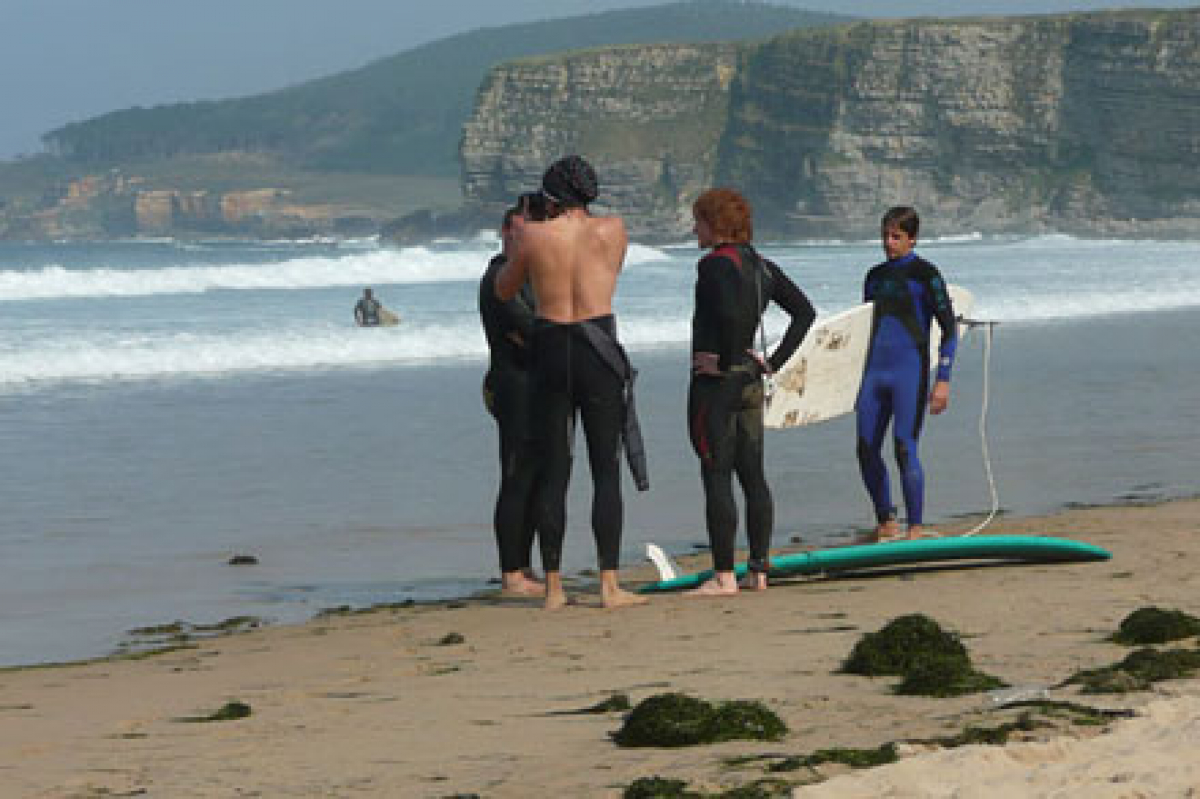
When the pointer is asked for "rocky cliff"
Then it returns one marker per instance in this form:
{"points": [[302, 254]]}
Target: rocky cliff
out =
{"points": [[1084, 123], [650, 118], [115, 205]]}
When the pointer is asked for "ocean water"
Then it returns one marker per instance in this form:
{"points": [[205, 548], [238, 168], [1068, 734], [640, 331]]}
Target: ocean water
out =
{"points": [[165, 406]]}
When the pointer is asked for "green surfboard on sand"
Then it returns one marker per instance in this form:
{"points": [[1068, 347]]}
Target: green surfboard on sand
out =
{"points": [[1018, 548]]}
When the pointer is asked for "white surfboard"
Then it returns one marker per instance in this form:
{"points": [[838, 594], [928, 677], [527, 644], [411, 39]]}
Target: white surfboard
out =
{"points": [[388, 318], [821, 379]]}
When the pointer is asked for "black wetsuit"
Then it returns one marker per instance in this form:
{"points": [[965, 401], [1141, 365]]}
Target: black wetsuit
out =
{"points": [[733, 286], [366, 312], [509, 328], [571, 375]]}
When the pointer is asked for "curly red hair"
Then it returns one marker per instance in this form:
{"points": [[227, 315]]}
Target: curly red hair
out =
{"points": [[727, 213]]}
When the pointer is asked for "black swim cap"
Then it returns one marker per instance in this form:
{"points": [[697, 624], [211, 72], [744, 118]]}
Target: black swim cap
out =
{"points": [[570, 181]]}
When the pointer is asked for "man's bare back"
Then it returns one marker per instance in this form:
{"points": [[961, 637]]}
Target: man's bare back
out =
{"points": [[572, 261]]}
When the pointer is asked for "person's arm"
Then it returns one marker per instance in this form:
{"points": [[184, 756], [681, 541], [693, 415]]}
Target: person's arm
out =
{"points": [[788, 296], [716, 313], [943, 312], [513, 274], [358, 314], [518, 316]]}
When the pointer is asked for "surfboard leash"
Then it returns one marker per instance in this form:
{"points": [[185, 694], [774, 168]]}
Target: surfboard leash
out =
{"points": [[989, 327]]}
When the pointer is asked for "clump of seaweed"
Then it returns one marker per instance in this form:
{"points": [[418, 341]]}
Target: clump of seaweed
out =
{"points": [[902, 641], [942, 675], [675, 719], [932, 661], [1151, 625], [760, 789], [661, 788], [614, 703], [658, 788], [230, 711], [1138, 671], [854, 758]]}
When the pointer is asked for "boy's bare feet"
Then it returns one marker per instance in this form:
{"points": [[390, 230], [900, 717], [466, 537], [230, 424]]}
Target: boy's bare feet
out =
{"points": [[888, 531]]}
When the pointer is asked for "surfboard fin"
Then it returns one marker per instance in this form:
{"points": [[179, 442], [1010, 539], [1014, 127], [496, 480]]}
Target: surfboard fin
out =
{"points": [[667, 568]]}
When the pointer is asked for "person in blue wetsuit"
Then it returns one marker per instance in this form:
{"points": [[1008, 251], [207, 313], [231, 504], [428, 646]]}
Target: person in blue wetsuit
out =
{"points": [[909, 294]]}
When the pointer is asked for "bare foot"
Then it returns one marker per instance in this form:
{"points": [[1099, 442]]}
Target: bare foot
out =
{"points": [[888, 531], [917, 531], [753, 581], [518, 585], [556, 600], [620, 598], [720, 585]]}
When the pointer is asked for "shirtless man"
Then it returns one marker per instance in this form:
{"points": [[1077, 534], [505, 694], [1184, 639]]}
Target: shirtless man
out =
{"points": [[573, 259]]}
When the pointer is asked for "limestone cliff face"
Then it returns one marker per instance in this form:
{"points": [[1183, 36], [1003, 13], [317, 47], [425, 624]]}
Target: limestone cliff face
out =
{"points": [[1087, 123], [101, 206], [649, 118]]}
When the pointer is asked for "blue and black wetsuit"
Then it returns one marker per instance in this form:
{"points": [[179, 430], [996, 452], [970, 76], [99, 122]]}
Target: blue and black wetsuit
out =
{"points": [[725, 412], [509, 329], [908, 294]]}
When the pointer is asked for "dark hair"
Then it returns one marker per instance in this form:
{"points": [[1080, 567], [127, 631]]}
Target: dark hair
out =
{"points": [[571, 182], [727, 213], [534, 206], [903, 217]]}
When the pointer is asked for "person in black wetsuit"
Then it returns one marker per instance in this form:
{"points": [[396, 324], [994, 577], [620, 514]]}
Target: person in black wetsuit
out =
{"points": [[366, 310], [909, 293], [509, 328], [578, 368], [734, 284]]}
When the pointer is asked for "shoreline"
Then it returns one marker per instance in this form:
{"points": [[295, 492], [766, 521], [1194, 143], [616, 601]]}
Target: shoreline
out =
{"points": [[477, 695], [177, 634]]}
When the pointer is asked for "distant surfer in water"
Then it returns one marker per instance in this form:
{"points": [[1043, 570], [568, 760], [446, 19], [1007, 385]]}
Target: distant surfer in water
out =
{"points": [[366, 310], [734, 285], [509, 328], [908, 293], [573, 260]]}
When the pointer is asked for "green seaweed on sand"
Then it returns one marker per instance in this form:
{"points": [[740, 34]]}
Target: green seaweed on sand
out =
{"points": [[854, 758], [675, 719], [901, 642], [230, 711], [1138, 671], [944, 675], [1151, 625], [932, 661], [662, 788], [659, 788], [613, 704]]}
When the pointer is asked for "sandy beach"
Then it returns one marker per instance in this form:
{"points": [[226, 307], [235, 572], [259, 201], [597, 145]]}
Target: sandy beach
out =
{"points": [[474, 697]]}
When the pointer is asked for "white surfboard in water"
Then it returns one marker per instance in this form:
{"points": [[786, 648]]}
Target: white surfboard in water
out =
{"points": [[821, 379]]}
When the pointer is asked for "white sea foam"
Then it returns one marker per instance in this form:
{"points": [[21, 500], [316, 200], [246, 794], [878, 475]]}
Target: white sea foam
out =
{"points": [[378, 267], [374, 267], [279, 327], [113, 357]]}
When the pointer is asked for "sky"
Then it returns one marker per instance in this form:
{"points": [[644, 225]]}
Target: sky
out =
{"points": [[66, 60]]}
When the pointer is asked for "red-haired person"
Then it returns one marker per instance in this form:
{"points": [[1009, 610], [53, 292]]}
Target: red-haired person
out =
{"points": [[734, 284]]}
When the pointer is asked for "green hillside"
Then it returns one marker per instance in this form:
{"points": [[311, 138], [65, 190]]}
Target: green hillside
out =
{"points": [[402, 114]]}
